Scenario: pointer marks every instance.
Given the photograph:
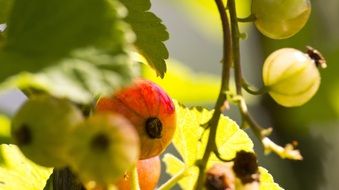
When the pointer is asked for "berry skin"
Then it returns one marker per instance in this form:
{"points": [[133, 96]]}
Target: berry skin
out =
{"points": [[148, 174], [280, 19], [291, 76], [41, 129], [151, 112], [103, 147]]}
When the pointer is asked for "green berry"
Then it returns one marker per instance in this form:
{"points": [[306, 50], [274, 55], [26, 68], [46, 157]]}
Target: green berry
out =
{"points": [[41, 129], [103, 148], [280, 19], [291, 76]]}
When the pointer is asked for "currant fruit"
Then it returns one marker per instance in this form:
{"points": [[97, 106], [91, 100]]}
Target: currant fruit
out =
{"points": [[41, 129], [103, 148], [151, 112], [291, 77], [280, 19], [148, 174]]}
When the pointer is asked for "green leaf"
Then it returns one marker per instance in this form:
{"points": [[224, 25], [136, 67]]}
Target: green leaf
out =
{"points": [[87, 73], [230, 138], [42, 33], [5, 130], [53, 28], [17, 172], [150, 32]]}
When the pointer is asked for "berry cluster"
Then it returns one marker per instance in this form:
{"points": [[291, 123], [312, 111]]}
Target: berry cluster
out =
{"points": [[135, 123]]}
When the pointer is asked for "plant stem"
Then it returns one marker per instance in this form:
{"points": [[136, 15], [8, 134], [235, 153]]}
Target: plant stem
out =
{"points": [[237, 70], [134, 179], [173, 181], [235, 45], [226, 65]]}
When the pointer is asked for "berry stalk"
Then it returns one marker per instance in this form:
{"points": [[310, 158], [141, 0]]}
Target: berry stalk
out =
{"points": [[226, 66]]}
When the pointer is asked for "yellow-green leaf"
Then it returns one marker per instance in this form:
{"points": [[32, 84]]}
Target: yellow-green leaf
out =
{"points": [[175, 166], [190, 139], [266, 181], [17, 172]]}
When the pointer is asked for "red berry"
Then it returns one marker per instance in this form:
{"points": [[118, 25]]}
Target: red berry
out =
{"points": [[148, 174], [149, 109]]}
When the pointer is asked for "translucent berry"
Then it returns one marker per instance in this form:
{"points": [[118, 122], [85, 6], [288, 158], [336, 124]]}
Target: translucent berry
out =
{"points": [[41, 129], [103, 148], [279, 19], [291, 76]]}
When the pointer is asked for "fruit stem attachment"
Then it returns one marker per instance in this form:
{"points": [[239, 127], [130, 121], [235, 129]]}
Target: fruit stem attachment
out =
{"points": [[253, 90], [134, 179], [173, 181], [250, 18], [226, 66]]}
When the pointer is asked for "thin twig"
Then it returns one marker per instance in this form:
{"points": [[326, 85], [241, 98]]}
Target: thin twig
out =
{"points": [[226, 65]]}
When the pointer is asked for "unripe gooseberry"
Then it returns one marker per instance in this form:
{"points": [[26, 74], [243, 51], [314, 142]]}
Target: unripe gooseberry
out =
{"points": [[149, 109], [280, 19], [291, 77], [148, 174], [103, 148], [42, 127]]}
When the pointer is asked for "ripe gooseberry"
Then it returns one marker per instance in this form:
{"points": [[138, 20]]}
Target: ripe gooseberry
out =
{"points": [[103, 147], [291, 77], [41, 128], [148, 174], [149, 109], [280, 19]]}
